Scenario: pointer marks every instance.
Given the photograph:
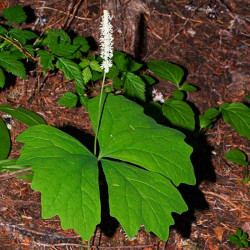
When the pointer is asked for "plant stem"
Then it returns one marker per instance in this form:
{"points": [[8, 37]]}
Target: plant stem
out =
{"points": [[99, 113]]}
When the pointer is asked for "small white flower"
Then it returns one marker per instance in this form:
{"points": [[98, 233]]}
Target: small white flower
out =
{"points": [[106, 41], [157, 96]]}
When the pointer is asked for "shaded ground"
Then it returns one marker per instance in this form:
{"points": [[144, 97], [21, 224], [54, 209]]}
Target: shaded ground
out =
{"points": [[210, 39]]}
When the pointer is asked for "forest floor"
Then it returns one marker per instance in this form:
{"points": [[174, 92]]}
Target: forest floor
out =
{"points": [[210, 38]]}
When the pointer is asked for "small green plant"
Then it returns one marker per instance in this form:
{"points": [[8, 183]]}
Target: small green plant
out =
{"points": [[52, 50], [180, 114], [240, 238]]}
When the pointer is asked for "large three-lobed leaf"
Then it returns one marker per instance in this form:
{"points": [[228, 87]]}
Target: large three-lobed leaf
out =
{"points": [[142, 162]]}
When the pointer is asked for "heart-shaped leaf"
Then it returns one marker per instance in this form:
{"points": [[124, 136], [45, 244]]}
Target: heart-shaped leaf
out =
{"points": [[238, 116], [179, 113], [236, 156], [167, 71]]}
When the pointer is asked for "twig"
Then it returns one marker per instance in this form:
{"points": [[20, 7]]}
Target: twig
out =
{"points": [[70, 7], [223, 198], [20, 202], [178, 32], [14, 173], [76, 7], [21, 49], [63, 12]]}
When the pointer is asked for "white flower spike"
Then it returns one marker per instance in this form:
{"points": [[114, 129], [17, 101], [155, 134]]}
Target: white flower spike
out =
{"points": [[106, 41]]}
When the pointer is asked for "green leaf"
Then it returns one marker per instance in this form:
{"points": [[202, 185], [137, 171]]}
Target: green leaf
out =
{"points": [[178, 95], [245, 243], [10, 63], [23, 115], [113, 72], [167, 71], [84, 63], [2, 79], [179, 113], [80, 88], [96, 76], [150, 80], [238, 232], [6, 163], [68, 100], [238, 116], [87, 75], [63, 49], [3, 31], [30, 49], [240, 244], [82, 42], [139, 197], [15, 53], [233, 238], [58, 44], [70, 69], [66, 174], [10, 165], [236, 156], [188, 88], [15, 14], [108, 89], [134, 86], [22, 35], [64, 37], [117, 83], [204, 122], [211, 113], [133, 65], [84, 101], [127, 134], [5, 142], [94, 65], [46, 60], [121, 60], [244, 236]]}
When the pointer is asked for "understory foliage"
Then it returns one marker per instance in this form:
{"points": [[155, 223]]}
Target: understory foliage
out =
{"points": [[143, 162]]}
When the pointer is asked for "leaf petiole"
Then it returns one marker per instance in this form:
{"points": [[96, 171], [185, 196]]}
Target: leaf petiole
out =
{"points": [[99, 113]]}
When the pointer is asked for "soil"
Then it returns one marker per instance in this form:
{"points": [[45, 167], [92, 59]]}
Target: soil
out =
{"points": [[208, 38]]}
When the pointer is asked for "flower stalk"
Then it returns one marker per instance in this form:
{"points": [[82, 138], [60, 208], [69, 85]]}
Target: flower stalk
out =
{"points": [[106, 54]]}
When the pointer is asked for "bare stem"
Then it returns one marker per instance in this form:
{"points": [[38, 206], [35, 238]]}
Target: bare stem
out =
{"points": [[99, 113]]}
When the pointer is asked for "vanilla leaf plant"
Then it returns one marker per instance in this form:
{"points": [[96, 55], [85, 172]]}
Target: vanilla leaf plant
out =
{"points": [[143, 163]]}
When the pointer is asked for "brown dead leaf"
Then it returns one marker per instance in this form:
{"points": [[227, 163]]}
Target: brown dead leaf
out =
{"points": [[219, 232]]}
